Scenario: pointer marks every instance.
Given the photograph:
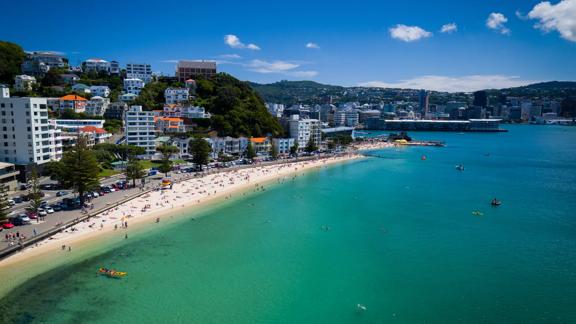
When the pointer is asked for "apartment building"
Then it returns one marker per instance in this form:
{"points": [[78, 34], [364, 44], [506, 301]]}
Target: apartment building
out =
{"points": [[140, 129], [139, 71], [26, 135], [192, 69], [73, 102], [24, 82], [38, 63], [133, 86], [302, 130], [176, 95], [101, 91], [97, 106]]}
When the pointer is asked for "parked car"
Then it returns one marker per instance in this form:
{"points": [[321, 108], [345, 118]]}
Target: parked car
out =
{"points": [[56, 207], [24, 186], [17, 199], [43, 204], [49, 210], [106, 190], [7, 225], [11, 202], [61, 193], [42, 212], [21, 219], [32, 215], [95, 194]]}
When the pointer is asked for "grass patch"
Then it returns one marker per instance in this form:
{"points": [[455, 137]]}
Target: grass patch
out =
{"points": [[107, 173]]}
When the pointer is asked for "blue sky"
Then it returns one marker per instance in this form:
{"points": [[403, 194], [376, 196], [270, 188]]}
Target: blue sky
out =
{"points": [[379, 43]]}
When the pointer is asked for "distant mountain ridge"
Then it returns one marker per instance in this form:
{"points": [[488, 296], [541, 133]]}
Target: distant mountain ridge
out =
{"points": [[307, 92]]}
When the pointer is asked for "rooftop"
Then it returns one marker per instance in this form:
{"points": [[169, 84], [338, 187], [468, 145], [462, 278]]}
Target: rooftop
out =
{"points": [[72, 97], [197, 64]]}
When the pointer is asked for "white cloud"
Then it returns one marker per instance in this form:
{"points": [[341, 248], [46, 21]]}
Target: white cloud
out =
{"points": [[230, 56], [408, 33], [169, 61], [280, 67], [496, 21], [453, 84], [234, 42], [560, 17], [449, 28], [303, 74], [312, 45]]}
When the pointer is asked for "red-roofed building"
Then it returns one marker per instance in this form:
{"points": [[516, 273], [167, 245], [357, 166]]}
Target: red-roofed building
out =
{"points": [[73, 102], [260, 144], [99, 135], [170, 125]]}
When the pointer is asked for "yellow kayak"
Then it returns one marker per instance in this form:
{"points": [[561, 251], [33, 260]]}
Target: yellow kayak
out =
{"points": [[111, 273]]}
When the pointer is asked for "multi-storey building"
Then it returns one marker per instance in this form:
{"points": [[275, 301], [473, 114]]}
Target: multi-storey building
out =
{"points": [[283, 145], [302, 130], [24, 82], [96, 65], [4, 91], [346, 118], [101, 91], [170, 125], [139, 71], [38, 63], [139, 129], [176, 95], [73, 102], [8, 174], [26, 135], [116, 110], [176, 110], [191, 69], [97, 106], [133, 86]]}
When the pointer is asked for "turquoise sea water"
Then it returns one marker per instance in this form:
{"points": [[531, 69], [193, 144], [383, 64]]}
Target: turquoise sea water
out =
{"points": [[402, 241]]}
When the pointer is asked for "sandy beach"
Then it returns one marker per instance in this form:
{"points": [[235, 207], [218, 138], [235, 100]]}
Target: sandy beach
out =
{"points": [[115, 225]]}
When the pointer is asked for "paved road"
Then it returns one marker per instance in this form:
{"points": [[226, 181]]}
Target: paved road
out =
{"points": [[56, 219]]}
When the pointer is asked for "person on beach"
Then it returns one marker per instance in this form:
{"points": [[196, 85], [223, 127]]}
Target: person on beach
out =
{"points": [[69, 248]]}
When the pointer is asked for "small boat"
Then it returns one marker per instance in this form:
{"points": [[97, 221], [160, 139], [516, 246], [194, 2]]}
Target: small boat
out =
{"points": [[423, 158], [495, 202], [361, 307], [477, 213], [111, 273], [460, 167]]}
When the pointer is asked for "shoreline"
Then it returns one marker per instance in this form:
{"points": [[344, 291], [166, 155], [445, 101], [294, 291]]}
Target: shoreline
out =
{"points": [[99, 232]]}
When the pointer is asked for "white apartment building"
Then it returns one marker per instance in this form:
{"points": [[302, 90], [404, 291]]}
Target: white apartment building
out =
{"points": [[140, 130], [97, 106], [139, 71], [346, 118], [176, 95], [303, 129], [283, 145], [133, 86], [26, 135], [101, 91], [24, 82], [96, 65]]}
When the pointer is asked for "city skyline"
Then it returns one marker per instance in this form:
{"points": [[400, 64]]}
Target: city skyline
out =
{"points": [[487, 45]]}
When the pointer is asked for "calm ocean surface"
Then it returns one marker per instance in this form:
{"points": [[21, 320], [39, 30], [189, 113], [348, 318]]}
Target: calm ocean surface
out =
{"points": [[402, 241]]}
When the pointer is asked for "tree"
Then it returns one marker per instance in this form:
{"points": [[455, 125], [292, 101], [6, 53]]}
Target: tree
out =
{"points": [[34, 192], [11, 59], [311, 146], [200, 150], [273, 150], [134, 171], [250, 153], [81, 168], [167, 151], [294, 149], [4, 205], [56, 171], [112, 125]]}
